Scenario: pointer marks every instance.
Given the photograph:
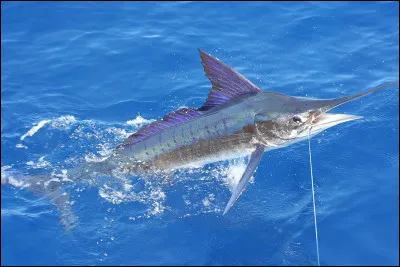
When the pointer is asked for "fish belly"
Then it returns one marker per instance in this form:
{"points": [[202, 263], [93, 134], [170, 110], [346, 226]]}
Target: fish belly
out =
{"points": [[206, 151]]}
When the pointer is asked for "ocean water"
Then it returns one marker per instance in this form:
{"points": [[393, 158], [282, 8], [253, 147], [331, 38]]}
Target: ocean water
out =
{"points": [[77, 78]]}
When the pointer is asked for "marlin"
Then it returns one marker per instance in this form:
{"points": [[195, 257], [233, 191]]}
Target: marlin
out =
{"points": [[238, 119]]}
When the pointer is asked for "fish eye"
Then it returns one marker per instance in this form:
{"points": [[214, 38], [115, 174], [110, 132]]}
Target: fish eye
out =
{"points": [[297, 119]]}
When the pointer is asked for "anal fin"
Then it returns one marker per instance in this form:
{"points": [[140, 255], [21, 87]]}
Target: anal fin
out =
{"points": [[244, 180]]}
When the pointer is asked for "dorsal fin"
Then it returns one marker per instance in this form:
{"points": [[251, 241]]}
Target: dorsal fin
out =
{"points": [[226, 82], [171, 119]]}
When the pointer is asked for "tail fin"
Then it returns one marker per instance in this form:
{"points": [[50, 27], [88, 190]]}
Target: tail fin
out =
{"points": [[52, 187], [47, 186]]}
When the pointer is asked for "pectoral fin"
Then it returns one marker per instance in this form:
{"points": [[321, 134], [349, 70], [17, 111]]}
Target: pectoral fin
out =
{"points": [[251, 167]]}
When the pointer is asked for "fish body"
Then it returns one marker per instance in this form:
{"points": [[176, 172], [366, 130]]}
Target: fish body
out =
{"points": [[238, 119]]}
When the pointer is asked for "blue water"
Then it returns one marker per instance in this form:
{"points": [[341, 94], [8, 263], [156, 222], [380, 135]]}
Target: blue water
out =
{"points": [[78, 78]]}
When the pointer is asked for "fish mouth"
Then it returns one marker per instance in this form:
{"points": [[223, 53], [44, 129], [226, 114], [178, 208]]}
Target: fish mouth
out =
{"points": [[327, 120]]}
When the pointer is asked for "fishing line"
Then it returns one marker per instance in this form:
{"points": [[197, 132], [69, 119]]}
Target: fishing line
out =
{"points": [[312, 186]]}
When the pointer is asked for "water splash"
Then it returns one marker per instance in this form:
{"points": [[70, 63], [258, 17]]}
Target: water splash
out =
{"points": [[139, 121], [34, 129], [72, 142]]}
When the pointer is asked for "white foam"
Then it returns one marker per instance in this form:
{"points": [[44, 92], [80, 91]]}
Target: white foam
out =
{"points": [[152, 36], [34, 129], [40, 164], [6, 167], [63, 121], [21, 146], [158, 208], [63, 175], [138, 121], [60, 122], [17, 183], [118, 132], [91, 157], [115, 197], [233, 174], [206, 202]]}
